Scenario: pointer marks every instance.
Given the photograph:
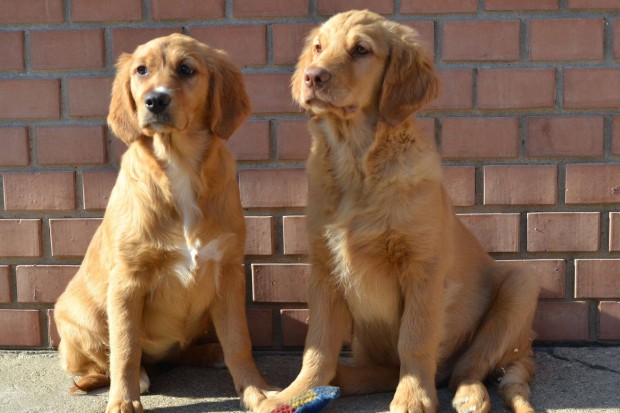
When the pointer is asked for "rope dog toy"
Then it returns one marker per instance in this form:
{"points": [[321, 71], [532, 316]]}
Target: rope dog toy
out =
{"points": [[310, 401]]}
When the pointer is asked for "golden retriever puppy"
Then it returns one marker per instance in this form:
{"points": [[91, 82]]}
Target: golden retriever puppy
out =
{"points": [[168, 255], [388, 253]]}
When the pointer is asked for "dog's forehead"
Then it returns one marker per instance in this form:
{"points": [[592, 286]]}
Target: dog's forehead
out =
{"points": [[168, 49], [348, 33]]}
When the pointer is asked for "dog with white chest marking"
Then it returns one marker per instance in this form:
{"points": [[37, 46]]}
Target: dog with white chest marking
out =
{"points": [[167, 258]]}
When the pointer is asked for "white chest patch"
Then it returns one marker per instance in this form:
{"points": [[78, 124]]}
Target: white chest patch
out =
{"points": [[185, 197], [197, 255]]}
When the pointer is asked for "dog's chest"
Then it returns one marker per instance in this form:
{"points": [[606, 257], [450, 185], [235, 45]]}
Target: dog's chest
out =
{"points": [[196, 258], [369, 287], [184, 197]]}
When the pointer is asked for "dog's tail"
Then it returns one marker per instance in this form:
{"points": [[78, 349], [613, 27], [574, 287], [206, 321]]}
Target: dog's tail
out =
{"points": [[90, 382]]}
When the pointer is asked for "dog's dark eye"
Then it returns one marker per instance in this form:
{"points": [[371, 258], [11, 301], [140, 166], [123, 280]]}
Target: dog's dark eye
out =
{"points": [[185, 70], [317, 48], [360, 51], [142, 70]]}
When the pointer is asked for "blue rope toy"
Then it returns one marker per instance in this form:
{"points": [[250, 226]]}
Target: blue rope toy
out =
{"points": [[311, 401]]}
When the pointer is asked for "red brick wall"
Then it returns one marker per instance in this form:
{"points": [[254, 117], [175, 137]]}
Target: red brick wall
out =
{"points": [[527, 121]]}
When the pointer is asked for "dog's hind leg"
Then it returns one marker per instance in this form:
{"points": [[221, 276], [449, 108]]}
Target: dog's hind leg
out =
{"points": [[502, 343]]}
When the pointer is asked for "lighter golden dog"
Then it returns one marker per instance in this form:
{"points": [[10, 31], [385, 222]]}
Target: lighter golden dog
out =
{"points": [[168, 255], [388, 254]]}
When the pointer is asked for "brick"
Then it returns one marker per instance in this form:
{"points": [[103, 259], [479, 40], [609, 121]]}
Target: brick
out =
{"points": [[565, 136], [31, 12], [456, 91], [52, 331], [614, 231], [427, 125], [115, 10], [288, 40], [294, 140], [470, 40], [126, 40], [260, 323], [250, 141], [89, 96], [20, 238], [330, 7], [592, 183], [59, 145], [597, 278], [20, 328], [15, 147], [609, 320], [520, 184], [615, 143], [480, 138], [30, 99], [496, 232], [592, 88], [460, 182], [70, 237], [96, 188], [67, 49], [426, 33], [11, 50], [5, 284], [616, 39], [280, 283], [510, 5], [561, 321], [269, 92], [42, 283], [294, 327], [273, 187], [187, 9], [516, 88], [563, 231], [593, 4], [39, 191], [438, 6], [252, 51], [270, 8], [566, 39], [295, 234], [550, 274], [259, 239]]}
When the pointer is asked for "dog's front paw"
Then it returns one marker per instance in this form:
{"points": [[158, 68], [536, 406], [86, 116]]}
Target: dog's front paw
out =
{"points": [[471, 397], [411, 398], [255, 398], [124, 406]]}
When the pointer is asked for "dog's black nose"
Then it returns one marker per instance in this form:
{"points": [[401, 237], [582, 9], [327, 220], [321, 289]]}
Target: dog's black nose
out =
{"points": [[316, 77], [157, 102]]}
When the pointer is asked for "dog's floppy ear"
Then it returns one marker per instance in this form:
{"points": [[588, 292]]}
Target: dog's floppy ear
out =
{"points": [[410, 80], [228, 101], [122, 117], [305, 58]]}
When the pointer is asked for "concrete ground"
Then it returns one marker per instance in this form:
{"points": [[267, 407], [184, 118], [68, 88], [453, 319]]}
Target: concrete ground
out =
{"points": [[569, 380]]}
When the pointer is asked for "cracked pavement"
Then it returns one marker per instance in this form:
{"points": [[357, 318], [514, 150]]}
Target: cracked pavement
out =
{"points": [[568, 380]]}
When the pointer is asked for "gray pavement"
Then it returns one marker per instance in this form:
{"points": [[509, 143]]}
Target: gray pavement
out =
{"points": [[569, 380]]}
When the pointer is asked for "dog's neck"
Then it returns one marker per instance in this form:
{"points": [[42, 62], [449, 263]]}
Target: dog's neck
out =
{"points": [[182, 158], [353, 135], [366, 151]]}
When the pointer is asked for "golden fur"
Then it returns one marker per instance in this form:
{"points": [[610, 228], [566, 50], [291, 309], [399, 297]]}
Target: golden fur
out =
{"points": [[388, 254], [168, 255]]}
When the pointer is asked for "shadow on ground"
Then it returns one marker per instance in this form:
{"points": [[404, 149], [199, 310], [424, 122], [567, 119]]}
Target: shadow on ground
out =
{"points": [[569, 380]]}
